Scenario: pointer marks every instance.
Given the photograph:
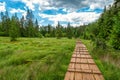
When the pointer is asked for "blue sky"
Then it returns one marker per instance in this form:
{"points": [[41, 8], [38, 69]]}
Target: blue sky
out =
{"points": [[77, 12]]}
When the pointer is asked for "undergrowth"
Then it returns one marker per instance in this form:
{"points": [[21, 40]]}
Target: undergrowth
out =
{"points": [[108, 60]]}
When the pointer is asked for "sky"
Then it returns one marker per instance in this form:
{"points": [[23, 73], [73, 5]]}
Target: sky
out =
{"points": [[77, 12]]}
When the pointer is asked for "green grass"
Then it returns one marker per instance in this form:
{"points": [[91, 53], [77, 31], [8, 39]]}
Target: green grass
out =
{"points": [[35, 58], [108, 60]]}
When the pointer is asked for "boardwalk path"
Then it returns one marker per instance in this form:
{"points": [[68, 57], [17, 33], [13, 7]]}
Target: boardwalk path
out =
{"points": [[82, 66]]}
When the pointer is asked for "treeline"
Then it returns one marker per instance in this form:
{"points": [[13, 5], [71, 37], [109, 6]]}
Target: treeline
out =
{"points": [[106, 30], [61, 31], [15, 27], [28, 27]]}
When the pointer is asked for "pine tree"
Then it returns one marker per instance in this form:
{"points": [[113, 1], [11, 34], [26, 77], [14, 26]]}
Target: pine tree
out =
{"points": [[48, 31], [14, 29], [58, 31], [5, 23], [22, 27], [76, 34], [37, 31], [53, 32], [69, 31], [29, 24]]}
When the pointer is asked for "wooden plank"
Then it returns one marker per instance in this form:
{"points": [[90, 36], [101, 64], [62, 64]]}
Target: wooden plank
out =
{"points": [[70, 65], [94, 68], [98, 77], [77, 66], [74, 55], [73, 66], [90, 61], [72, 59], [75, 52], [83, 71], [83, 61], [67, 76], [78, 55], [77, 60], [80, 71], [85, 67], [85, 77], [83, 53], [88, 55], [88, 77], [91, 77], [78, 76], [72, 76], [82, 57], [101, 77]]}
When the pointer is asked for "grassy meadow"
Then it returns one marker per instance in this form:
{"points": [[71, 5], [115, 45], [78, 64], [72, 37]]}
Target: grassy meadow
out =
{"points": [[35, 58], [108, 60], [48, 59]]}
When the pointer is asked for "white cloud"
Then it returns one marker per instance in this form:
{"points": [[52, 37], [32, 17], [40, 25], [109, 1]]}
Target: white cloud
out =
{"points": [[47, 8], [43, 4], [2, 7], [67, 4], [65, 10], [98, 3], [13, 10], [95, 5], [74, 17], [70, 7], [29, 4]]}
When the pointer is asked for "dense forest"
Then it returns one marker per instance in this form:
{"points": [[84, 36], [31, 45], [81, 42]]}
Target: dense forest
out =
{"points": [[106, 30], [28, 27]]}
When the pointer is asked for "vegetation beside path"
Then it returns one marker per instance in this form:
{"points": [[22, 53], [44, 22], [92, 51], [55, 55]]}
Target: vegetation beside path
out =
{"points": [[35, 58], [108, 60]]}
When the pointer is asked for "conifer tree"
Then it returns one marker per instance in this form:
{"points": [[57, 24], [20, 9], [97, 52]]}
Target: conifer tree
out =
{"points": [[69, 31], [29, 24], [37, 32], [14, 29], [5, 24], [23, 32], [58, 31]]}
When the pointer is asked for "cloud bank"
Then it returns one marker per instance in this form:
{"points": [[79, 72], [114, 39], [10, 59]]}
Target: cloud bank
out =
{"points": [[77, 12]]}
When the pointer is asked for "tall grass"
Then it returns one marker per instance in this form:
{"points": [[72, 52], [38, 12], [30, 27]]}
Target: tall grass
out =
{"points": [[35, 58], [108, 60]]}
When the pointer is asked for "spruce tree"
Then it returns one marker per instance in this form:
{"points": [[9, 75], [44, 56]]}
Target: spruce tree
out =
{"points": [[14, 29], [37, 31], [5, 23], [69, 31], [58, 31], [23, 32], [29, 24]]}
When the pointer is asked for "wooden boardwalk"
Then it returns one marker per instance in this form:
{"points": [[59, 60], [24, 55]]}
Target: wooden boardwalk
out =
{"points": [[82, 66]]}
